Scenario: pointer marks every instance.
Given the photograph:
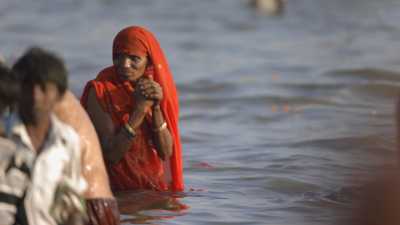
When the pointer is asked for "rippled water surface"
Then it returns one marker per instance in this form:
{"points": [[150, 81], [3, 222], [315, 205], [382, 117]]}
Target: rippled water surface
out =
{"points": [[278, 114]]}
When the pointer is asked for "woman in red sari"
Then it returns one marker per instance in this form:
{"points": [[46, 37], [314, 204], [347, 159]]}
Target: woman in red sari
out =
{"points": [[134, 107]]}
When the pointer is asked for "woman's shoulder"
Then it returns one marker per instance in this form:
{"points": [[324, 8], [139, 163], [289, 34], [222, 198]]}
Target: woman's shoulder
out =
{"points": [[106, 74]]}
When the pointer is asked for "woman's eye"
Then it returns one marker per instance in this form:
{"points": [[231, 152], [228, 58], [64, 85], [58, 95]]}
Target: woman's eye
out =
{"points": [[135, 59]]}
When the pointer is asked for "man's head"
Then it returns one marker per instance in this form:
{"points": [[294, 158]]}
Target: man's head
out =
{"points": [[43, 78], [9, 88], [9, 95]]}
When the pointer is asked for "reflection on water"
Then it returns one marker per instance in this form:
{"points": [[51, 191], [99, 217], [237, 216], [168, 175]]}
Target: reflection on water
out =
{"points": [[138, 207]]}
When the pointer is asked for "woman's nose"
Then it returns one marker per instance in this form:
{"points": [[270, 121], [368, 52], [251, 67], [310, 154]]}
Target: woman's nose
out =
{"points": [[125, 62]]}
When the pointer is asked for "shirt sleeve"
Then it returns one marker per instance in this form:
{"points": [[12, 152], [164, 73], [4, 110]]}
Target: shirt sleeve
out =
{"points": [[14, 178]]}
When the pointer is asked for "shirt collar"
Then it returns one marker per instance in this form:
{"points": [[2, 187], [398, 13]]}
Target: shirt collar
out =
{"points": [[20, 133]]}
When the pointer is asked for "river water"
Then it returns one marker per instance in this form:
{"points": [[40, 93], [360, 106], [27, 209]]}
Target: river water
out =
{"points": [[279, 115]]}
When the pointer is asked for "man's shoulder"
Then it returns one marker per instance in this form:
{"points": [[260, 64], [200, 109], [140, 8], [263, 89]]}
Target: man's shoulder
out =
{"points": [[65, 132], [9, 151], [6, 143], [7, 148]]}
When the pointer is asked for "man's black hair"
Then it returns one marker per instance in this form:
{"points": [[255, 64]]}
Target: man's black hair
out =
{"points": [[38, 66], [10, 88]]}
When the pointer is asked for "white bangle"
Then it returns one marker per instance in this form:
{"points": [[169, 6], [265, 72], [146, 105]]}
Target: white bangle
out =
{"points": [[162, 127], [129, 130]]}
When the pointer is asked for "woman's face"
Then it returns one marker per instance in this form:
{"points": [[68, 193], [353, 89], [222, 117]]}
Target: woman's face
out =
{"points": [[130, 67]]}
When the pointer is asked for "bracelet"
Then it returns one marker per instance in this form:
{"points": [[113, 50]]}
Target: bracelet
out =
{"points": [[129, 130], [161, 128], [156, 106]]}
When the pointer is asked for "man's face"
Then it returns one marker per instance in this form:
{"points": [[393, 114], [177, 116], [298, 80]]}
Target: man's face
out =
{"points": [[39, 100], [45, 98]]}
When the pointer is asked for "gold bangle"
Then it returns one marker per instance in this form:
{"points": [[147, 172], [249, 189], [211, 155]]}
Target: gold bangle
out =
{"points": [[161, 128]]}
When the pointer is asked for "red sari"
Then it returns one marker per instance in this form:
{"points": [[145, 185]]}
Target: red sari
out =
{"points": [[140, 167]]}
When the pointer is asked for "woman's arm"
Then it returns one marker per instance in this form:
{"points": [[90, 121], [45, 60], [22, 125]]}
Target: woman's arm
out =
{"points": [[162, 136], [149, 89], [114, 142]]}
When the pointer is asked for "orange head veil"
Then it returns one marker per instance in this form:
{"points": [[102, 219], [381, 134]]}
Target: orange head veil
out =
{"points": [[139, 41]]}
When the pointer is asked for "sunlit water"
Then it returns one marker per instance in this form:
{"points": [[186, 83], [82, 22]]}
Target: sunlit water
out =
{"points": [[279, 115]]}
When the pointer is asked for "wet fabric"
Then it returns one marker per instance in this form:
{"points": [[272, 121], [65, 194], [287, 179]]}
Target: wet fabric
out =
{"points": [[15, 169], [140, 168], [58, 163], [102, 211]]}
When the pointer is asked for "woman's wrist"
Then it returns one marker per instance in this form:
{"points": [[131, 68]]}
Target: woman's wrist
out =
{"points": [[141, 108], [136, 117], [160, 128], [156, 106]]}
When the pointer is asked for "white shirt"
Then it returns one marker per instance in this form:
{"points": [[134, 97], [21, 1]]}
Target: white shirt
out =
{"points": [[14, 179], [58, 162]]}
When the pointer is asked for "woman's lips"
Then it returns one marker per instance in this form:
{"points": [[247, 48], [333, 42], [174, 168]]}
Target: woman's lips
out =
{"points": [[125, 73]]}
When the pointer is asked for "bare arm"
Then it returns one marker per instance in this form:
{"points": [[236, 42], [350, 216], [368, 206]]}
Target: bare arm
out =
{"points": [[115, 142], [162, 136], [148, 89], [71, 112]]}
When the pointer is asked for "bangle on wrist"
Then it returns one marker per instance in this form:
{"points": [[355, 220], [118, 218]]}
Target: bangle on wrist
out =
{"points": [[156, 106], [129, 131], [161, 128]]}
